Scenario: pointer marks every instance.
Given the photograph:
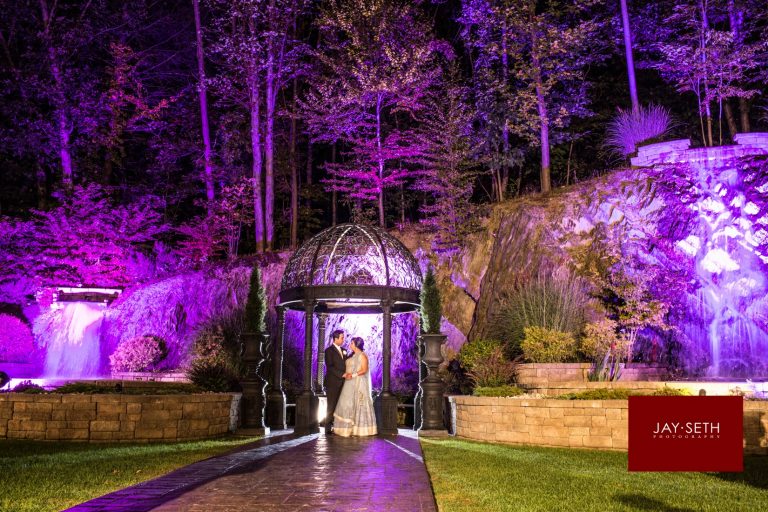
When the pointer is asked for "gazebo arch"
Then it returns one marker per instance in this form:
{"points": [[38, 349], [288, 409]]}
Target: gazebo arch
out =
{"points": [[348, 268]]}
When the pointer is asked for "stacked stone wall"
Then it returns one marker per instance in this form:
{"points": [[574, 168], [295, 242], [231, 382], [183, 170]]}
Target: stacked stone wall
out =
{"points": [[599, 424], [134, 418]]}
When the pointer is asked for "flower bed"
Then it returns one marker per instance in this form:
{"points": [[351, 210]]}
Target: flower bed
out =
{"points": [[572, 423], [117, 417]]}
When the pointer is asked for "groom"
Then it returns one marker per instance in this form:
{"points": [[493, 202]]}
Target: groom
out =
{"points": [[335, 374]]}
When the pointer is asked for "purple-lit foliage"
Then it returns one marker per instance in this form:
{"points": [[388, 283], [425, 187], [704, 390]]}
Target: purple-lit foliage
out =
{"points": [[140, 354], [88, 239], [16, 341], [368, 95], [544, 56], [448, 170], [714, 50]]}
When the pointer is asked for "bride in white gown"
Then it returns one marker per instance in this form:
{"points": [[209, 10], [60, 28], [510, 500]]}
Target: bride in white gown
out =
{"points": [[354, 415]]}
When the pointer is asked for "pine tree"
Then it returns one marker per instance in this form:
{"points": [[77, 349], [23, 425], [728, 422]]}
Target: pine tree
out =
{"points": [[431, 308], [256, 307]]}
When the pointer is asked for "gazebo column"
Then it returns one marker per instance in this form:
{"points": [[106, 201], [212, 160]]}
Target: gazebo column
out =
{"points": [[275, 395], [322, 318], [388, 402], [306, 402]]}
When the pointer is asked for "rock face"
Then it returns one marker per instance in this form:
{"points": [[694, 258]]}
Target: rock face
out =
{"points": [[699, 227]]}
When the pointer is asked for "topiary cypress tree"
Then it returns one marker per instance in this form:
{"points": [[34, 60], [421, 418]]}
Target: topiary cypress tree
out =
{"points": [[256, 307], [431, 309]]}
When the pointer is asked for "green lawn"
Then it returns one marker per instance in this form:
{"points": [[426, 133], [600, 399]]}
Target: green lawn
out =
{"points": [[40, 476], [472, 476]]}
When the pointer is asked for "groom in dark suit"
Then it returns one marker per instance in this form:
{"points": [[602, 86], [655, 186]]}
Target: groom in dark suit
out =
{"points": [[335, 374]]}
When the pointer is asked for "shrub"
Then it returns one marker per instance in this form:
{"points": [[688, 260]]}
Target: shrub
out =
{"points": [[139, 354], [4, 379], [629, 129], [16, 340], [498, 391], [606, 349], [476, 351], [158, 388], [211, 376], [598, 394], [431, 308], [600, 338], [665, 391], [29, 387], [557, 304], [455, 375], [542, 345], [621, 394], [486, 363]]}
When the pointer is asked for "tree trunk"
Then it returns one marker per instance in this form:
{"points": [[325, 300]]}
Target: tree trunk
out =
{"points": [[309, 174], [380, 159], [729, 118], [707, 107], [744, 117], [258, 204], [541, 105], [630, 59], [334, 198], [504, 170], [736, 21], [41, 187], [294, 175], [269, 151], [201, 92], [63, 124]]}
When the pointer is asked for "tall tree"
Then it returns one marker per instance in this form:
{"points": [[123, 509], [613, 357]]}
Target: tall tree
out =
{"points": [[627, 33], [448, 171], [378, 59], [550, 47], [203, 97], [698, 56], [482, 37]]}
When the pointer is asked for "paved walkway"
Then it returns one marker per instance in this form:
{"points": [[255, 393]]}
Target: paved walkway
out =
{"points": [[285, 473]]}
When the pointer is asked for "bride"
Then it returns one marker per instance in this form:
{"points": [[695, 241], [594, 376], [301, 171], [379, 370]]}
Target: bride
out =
{"points": [[354, 414]]}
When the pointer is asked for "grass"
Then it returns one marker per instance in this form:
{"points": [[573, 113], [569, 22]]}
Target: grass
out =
{"points": [[41, 476], [471, 476]]}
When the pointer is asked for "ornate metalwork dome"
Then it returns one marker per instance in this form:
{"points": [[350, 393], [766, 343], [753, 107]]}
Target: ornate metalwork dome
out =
{"points": [[351, 267]]}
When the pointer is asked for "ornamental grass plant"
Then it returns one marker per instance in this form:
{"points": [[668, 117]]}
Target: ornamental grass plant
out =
{"points": [[554, 303]]}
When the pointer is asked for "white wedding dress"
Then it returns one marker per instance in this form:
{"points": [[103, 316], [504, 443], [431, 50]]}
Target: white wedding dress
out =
{"points": [[354, 415]]}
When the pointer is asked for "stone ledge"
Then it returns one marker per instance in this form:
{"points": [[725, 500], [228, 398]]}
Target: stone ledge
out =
{"points": [[600, 424], [116, 417]]}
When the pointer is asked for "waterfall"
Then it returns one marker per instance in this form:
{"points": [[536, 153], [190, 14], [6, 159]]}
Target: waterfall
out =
{"points": [[727, 265], [72, 346]]}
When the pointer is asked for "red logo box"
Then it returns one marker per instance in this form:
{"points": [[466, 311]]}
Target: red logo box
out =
{"points": [[686, 433]]}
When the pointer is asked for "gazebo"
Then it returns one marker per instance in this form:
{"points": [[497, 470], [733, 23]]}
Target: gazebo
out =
{"points": [[348, 268]]}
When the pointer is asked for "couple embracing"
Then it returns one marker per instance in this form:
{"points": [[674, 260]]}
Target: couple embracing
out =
{"points": [[348, 386]]}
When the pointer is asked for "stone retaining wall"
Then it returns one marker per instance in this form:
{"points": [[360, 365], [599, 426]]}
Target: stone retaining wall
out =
{"points": [[135, 418], [572, 423], [543, 375]]}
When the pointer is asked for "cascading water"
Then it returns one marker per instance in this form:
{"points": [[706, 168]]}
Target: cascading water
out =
{"points": [[72, 348], [728, 264]]}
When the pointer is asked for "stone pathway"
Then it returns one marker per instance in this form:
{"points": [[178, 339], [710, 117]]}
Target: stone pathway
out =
{"points": [[285, 473]]}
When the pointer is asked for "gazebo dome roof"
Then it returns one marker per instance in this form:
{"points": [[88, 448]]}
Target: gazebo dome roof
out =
{"points": [[351, 267]]}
